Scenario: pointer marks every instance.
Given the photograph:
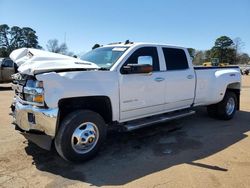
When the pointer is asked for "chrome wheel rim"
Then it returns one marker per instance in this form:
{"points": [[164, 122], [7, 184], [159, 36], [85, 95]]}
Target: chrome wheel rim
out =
{"points": [[230, 106], [84, 137]]}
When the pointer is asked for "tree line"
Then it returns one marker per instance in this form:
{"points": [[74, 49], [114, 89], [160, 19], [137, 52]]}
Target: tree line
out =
{"points": [[16, 37], [225, 49], [12, 38]]}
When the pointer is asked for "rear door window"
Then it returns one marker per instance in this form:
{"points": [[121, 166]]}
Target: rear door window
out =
{"points": [[175, 59]]}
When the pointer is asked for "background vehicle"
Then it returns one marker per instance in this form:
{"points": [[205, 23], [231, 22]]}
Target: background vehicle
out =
{"points": [[7, 68], [210, 64], [215, 62], [125, 85]]}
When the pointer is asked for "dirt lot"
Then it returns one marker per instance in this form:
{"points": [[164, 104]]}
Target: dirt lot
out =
{"points": [[193, 152]]}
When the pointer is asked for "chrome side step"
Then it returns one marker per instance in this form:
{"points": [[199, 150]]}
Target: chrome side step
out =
{"points": [[137, 124]]}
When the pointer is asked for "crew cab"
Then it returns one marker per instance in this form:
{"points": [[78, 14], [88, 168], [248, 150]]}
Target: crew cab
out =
{"points": [[71, 102]]}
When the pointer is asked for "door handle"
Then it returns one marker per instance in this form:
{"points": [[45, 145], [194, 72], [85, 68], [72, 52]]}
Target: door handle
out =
{"points": [[159, 79], [190, 76]]}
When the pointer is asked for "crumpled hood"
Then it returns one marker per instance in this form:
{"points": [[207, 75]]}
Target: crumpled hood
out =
{"points": [[33, 61]]}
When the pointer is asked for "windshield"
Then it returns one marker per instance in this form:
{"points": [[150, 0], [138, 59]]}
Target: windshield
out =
{"points": [[104, 57]]}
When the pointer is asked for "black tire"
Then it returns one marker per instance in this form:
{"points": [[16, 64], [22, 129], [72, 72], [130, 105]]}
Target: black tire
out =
{"points": [[212, 110], [222, 112], [64, 142]]}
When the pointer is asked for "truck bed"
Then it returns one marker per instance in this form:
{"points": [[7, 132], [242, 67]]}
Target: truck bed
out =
{"points": [[212, 82]]}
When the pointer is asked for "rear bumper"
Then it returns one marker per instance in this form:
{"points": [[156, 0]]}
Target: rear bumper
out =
{"points": [[30, 118]]}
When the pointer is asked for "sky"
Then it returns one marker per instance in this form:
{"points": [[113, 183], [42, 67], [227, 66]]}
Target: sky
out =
{"points": [[83, 23]]}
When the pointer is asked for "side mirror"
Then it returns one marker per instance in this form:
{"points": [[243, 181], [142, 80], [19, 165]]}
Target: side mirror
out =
{"points": [[137, 69], [143, 65], [145, 60]]}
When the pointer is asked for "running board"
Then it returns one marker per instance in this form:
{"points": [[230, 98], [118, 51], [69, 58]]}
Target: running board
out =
{"points": [[137, 124]]}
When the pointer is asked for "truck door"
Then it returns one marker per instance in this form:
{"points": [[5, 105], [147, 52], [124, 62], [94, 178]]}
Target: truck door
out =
{"points": [[7, 70], [141, 94], [180, 79]]}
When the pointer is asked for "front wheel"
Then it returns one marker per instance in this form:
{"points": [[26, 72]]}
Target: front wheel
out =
{"points": [[80, 135]]}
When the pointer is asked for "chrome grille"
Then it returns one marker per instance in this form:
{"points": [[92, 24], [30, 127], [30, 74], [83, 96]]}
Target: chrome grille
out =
{"points": [[18, 83]]}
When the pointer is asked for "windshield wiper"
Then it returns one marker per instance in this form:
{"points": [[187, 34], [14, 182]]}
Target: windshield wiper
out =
{"points": [[103, 68]]}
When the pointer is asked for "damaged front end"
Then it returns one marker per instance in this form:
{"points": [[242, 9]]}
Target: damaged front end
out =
{"points": [[30, 115]]}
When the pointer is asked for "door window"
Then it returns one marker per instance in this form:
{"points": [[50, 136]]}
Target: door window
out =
{"points": [[145, 55], [175, 59]]}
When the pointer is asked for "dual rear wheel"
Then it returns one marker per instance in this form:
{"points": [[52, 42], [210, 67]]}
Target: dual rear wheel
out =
{"points": [[225, 109]]}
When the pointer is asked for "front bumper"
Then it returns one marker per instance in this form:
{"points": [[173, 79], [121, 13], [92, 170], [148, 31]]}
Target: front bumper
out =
{"points": [[30, 118]]}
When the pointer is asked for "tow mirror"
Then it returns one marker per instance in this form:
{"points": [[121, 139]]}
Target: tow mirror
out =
{"points": [[143, 65], [137, 68]]}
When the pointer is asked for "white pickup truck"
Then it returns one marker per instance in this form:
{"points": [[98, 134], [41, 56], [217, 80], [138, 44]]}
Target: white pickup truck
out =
{"points": [[125, 85]]}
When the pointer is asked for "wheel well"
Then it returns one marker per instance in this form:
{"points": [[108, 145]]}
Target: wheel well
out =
{"points": [[235, 87], [99, 104]]}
